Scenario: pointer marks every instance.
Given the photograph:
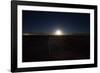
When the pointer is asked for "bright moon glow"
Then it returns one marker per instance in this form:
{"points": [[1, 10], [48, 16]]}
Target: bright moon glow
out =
{"points": [[58, 32]]}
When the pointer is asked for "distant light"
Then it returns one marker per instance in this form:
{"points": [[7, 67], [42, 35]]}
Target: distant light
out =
{"points": [[58, 32], [26, 34]]}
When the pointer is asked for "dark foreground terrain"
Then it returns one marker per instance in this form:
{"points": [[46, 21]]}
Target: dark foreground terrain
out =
{"points": [[49, 48]]}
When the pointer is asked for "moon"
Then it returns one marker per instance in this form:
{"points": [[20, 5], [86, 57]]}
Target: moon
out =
{"points": [[58, 32]]}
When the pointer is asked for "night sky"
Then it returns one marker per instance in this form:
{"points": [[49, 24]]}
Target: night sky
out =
{"points": [[48, 22]]}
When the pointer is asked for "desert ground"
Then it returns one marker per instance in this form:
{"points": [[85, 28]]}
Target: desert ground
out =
{"points": [[51, 48]]}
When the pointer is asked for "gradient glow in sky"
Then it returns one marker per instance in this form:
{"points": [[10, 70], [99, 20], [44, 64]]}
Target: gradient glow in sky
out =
{"points": [[48, 22]]}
